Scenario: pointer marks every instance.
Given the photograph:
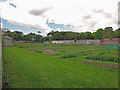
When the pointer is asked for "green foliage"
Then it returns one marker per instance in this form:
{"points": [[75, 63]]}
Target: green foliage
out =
{"points": [[108, 33], [50, 39], [69, 56], [81, 36], [65, 35], [117, 33], [38, 51], [98, 34], [18, 36], [103, 58], [75, 40], [108, 28], [88, 35]]}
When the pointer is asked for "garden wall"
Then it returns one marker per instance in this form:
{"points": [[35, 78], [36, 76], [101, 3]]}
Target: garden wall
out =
{"points": [[96, 42], [22, 41], [114, 41], [7, 41], [0, 59], [63, 41]]}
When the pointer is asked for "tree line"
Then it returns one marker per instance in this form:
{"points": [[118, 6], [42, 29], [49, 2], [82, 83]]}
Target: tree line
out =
{"points": [[56, 35]]}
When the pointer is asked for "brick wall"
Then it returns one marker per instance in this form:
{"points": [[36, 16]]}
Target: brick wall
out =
{"points": [[114, 41]]}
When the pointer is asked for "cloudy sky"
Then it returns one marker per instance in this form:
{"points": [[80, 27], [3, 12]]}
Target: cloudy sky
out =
{"points": [[61, 15]]}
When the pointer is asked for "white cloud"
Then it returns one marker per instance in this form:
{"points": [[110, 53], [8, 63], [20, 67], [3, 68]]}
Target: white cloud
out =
{"points": [[15, 30], [58, 29], [84, 15]]}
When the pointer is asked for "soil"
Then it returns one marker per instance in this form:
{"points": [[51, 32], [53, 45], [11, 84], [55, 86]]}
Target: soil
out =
{"points": [[30, 50], [105, 65], [115, 55]]}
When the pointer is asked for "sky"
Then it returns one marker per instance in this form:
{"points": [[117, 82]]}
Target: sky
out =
{"points": [[58, 15]]}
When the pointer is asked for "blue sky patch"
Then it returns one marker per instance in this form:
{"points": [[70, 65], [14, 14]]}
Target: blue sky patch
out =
{"points": [[3, 0], [61, 26], [15, 27]]}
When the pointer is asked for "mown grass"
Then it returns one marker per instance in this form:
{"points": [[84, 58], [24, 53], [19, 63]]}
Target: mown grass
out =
{"points": [[25, 69]]}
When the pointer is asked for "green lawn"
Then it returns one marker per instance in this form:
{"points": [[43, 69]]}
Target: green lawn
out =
{"points": [[25, 69]]}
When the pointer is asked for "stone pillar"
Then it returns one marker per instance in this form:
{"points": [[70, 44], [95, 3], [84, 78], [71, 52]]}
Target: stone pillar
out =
{"points": [[0, 56], [7, 41]]}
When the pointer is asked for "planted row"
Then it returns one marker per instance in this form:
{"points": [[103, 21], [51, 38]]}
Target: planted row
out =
{"points": [[69, 56], [103, 58]]}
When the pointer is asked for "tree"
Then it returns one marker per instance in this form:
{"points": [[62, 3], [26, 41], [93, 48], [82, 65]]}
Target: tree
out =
{"points": [[82, 36], [88, 35], [98, 34], [50, 38], [108, 28], [51, 33], [46, 38], [18, 32], [16, 35], [8, 33], [56, 35], [117, 33], [26, 38], [108, 33], [38, 38]]}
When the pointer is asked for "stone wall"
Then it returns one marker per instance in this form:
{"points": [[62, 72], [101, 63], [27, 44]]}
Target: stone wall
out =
{"points": [[114, 41], [63, 41], [0, 59], [7, 41], [96, 42], [22, 41]]}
